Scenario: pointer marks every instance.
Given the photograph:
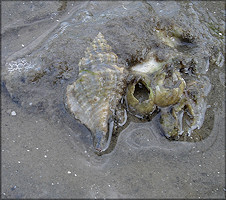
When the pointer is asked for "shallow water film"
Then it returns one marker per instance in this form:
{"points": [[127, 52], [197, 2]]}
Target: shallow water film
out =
{"points": [[47, 153]]}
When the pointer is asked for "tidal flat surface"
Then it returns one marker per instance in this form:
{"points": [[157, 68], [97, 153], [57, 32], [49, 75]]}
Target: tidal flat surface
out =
{"points": [[46, 153]]}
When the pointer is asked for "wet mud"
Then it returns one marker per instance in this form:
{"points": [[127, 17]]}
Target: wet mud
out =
{"points": [[46, 153]]}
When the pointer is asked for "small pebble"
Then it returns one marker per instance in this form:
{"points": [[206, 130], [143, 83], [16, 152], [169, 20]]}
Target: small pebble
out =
{"points": [[13, 113]]}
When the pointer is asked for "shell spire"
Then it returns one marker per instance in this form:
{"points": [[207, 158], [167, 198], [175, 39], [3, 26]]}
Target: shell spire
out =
{"points": [[98, 52]]}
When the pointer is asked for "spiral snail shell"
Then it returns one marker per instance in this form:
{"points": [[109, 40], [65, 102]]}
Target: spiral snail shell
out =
{"points": [[94, 96]]}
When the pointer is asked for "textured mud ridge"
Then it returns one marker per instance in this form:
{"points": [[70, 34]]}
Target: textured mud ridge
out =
{"points": [[163, 57]]}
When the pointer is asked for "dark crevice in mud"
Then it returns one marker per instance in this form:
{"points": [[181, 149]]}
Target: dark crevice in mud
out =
{"points": [[186, 47], [141, 54], [135, 59], [63, 6], [187, 43]]}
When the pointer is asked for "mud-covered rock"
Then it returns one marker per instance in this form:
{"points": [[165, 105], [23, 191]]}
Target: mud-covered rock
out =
{"points": [[41, 73]]}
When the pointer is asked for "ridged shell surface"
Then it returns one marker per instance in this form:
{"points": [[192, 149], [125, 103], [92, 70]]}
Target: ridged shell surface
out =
{"points": [[94, 97]]}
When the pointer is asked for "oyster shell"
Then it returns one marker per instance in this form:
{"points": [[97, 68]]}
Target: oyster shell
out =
{"points": [[181, 102], [158, 94], [143, 106], [164, 86], [94, 96]]}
